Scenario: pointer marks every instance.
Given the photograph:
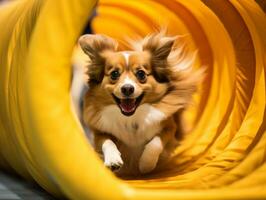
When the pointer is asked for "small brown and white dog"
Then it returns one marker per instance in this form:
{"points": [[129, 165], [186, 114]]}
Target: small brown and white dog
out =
{"points": [[136, 99]]}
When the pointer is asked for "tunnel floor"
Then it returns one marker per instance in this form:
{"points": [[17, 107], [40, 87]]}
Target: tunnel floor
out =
{"points": [[12, 187]]}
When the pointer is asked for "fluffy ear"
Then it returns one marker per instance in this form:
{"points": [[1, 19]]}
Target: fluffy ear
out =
{"points": [[159, 47], [94, 46]]}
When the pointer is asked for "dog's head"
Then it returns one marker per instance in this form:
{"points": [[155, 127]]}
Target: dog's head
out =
{"points": [[129, 78]]}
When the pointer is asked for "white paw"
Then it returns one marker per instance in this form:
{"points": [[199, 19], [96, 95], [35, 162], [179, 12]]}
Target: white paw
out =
{"points": [[112, 156], [113, 160], [150, 155]]}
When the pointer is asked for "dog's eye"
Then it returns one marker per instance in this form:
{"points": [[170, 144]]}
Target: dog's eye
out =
{"points": [[141, 75], [115, 75]]}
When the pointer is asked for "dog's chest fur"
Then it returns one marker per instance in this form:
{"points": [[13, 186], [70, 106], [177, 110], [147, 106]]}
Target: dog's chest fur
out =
{"points": [[135, 130]]}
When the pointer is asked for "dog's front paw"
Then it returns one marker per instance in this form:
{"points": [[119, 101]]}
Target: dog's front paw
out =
{"points": [[113, 161], [150, 155], [112, 156]]}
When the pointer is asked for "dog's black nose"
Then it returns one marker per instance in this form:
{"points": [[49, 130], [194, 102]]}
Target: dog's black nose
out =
{"points": [[127, 89]]}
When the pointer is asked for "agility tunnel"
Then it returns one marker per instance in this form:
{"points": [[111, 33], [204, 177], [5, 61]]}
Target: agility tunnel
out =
{"points": [[41, 139]]}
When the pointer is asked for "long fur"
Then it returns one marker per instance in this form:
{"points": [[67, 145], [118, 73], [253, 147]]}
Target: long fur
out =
{"points": [[173, 65], [93, 48], [138, 143]]}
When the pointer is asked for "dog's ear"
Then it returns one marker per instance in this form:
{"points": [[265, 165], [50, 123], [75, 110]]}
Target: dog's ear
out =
{"points": [[159, 47], [94, 46]]}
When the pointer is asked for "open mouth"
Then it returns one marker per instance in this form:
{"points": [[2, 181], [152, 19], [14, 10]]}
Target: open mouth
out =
{"points": [[128, 106]]}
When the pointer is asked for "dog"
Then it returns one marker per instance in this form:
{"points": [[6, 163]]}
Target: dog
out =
{"points": [[136, 99]]}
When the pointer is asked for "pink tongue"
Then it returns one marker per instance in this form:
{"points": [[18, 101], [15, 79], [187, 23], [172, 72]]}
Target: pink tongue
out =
{"points": [[127, 105]]}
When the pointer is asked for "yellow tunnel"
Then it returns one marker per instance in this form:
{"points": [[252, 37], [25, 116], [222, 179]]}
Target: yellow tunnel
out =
{"points": [[224, 157]]}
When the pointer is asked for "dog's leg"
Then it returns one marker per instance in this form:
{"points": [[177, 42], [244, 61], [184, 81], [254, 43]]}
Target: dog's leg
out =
{"points": [[111, 155], [155, 147], [150, 155]]}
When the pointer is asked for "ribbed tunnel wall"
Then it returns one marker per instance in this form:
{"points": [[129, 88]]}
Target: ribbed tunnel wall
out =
{"points": [[40, 138]]}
